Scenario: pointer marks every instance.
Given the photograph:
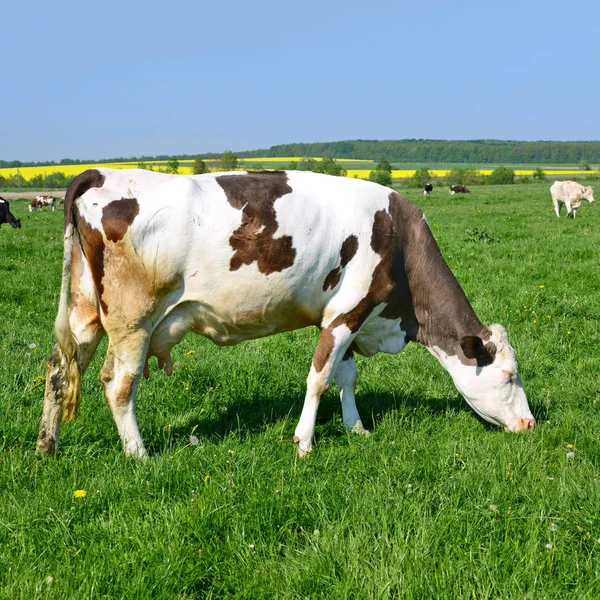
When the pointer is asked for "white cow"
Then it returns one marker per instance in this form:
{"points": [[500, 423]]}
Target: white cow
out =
{"points": [[237, 256], [571, 194]]}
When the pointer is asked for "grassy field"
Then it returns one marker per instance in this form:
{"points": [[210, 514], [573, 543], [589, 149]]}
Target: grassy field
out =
{"points": [[434, 504]]}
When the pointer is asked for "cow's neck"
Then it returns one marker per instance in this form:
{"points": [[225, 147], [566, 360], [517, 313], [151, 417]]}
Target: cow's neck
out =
{"points": [[442, 315]]}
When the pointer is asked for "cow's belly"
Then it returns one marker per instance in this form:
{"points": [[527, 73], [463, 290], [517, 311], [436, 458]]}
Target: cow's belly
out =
{"points": [[380, 335], [227, 327]]}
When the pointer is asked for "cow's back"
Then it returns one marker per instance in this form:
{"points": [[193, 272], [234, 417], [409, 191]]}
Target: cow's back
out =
{"points": [[236, 255]]}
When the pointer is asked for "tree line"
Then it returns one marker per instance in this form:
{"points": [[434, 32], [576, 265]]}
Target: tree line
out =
{"points": [[444, 151], [397, 151]]}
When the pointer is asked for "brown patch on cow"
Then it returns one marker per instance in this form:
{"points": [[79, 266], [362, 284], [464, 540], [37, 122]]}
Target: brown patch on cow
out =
{"points": [[332, 279], [125, 389], [117, 216], [255, 195], [324, 349], [347, 253], [349, 249], [93, 247]]}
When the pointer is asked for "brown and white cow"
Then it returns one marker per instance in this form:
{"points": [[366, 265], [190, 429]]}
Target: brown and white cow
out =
{"points": [[237, 256], [459, 189], [6, 216], [40, 201], [571, 194]]}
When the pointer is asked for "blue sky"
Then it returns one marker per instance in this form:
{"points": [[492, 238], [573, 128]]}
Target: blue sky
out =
{"points": [[118, 78]]}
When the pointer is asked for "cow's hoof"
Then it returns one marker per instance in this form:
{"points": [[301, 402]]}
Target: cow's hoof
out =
{"points": [[304, 447], [361, 431], [359, 428]]}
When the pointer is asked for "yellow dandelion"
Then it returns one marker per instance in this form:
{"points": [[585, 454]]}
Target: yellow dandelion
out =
{"points": [[79, 494], [568, 333], [191, 352], [542, 287], [569, 446]]}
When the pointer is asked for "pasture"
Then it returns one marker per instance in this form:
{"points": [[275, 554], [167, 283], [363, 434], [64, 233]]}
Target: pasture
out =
{"points": [[434, 504]]}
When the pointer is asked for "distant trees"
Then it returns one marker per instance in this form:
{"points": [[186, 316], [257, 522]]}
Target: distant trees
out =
{"points": [[382, 173], [584, 165], [228, 161], [173, 166], [328, 165], [539, 174], [199, 166], [421, 177], [501, 175], [444, 151], [54, 180], [460, 176]]}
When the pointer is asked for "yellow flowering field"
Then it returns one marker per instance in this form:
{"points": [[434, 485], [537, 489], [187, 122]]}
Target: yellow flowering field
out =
{"points": [[186, 168]]}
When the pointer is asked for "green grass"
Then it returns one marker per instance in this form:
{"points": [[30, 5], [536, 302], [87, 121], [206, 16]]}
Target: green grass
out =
{"points": [[434, 504]]}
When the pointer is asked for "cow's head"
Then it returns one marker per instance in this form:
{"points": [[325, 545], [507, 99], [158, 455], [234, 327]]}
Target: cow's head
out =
{"points": [[492, 385], [10, 218], [588, 193]]}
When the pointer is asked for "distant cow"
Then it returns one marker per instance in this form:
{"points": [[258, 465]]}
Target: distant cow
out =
{"points": [[460, 189], [237, 256], [571, 194], [427, 189], [41, 201], [6, 216]]}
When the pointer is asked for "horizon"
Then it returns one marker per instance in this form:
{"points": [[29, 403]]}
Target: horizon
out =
{"points": [[111, 80], [204, 154]]}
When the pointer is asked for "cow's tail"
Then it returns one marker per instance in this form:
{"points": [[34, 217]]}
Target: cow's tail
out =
{"points": [[62, 329]]}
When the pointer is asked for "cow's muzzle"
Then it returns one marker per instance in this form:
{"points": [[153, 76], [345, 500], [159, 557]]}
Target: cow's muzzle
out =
{"points": [[521, 425]]}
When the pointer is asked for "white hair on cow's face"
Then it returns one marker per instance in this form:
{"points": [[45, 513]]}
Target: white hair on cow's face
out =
{"points": [[495, 391]]}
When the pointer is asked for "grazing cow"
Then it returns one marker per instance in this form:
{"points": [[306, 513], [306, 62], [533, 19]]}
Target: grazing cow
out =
{"points": [[40, 201], [237, 256], [6, 216], [459, 189], [571, 194], [427, 189]]}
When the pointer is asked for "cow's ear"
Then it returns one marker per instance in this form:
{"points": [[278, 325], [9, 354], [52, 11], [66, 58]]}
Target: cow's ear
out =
{"points": [[474, 348]]}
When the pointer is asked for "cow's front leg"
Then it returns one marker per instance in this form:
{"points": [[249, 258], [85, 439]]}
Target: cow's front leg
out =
{"points": [[333, 343], [345, 376], [120, 376], [557, 206]]}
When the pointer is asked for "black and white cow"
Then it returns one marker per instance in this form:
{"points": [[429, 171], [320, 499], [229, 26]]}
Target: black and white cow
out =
{"points": [[6, 216], [237, 256], [427, 189]]}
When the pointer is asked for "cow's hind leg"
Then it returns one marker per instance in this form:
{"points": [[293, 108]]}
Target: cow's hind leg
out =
{"points": [[61, 374], [345, 377], [333, 344], [120, 376]]}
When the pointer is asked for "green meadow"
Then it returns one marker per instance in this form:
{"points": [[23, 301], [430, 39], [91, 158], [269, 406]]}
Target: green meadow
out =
{"points": [[434, 504]]}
